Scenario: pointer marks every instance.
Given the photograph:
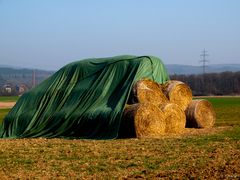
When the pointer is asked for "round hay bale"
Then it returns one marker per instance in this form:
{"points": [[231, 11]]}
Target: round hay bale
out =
{"points": [[146, 90], [174, 117], [142, 120], [200, 114], [178, 92]]}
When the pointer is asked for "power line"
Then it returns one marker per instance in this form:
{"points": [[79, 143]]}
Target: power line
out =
{"points": [[204, 60]]}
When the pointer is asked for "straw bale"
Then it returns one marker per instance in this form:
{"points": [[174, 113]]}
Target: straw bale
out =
{"points": [[142, 120], [146, 90], [178, 92], [200, 114], [174, 117]]}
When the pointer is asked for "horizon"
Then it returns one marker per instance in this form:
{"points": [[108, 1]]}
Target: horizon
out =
{"points": [[47, 35], [54, 70]]}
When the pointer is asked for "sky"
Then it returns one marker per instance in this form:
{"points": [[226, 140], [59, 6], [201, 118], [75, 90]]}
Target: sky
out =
{"points": [[48, 34]]}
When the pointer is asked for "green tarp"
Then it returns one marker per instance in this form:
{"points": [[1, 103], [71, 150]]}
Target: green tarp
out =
{"points": [[84, 99]]}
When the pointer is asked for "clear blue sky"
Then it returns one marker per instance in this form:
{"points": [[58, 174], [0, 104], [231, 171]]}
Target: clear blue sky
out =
{"points": [[48, 34]]}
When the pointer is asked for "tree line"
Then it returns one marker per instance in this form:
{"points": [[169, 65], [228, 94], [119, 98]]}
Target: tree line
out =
{"points": [[225, 83]]}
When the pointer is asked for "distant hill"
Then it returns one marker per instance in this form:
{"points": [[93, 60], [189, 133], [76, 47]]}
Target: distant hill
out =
{"points": [[15, 75], [186, 69]]}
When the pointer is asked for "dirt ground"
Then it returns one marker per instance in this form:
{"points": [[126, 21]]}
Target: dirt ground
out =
{"points": [[4, 105], [201, 157], [212, 153]]}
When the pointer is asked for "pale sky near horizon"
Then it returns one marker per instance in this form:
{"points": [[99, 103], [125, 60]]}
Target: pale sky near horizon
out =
{"points": [[48, 34]]}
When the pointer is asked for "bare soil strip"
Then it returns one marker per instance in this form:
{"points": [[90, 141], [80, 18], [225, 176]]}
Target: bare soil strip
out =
{"points": [[4, 105]]}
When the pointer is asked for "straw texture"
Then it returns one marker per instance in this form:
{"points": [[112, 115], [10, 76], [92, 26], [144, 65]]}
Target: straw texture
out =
{"points": [[146, 90], [178, 92], [200, 114], [174, 117], [143, 120]]}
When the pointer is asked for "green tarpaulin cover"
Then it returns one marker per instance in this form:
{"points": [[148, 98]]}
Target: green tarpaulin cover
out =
{"points": [[84, 99]]}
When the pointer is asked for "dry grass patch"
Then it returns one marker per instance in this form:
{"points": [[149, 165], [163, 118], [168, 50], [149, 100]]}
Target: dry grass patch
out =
{"points": [[197, 153], [206, 156]]}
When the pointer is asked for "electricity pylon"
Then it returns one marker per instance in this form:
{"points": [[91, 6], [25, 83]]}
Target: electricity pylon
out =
{"points": [[204, 60]]}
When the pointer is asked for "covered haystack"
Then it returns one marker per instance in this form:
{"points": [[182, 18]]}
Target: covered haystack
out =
{"points": [[163, 109], [142, 120], [200, 114], [85, 99], [174, 117], [146, 90], [178, 92]]}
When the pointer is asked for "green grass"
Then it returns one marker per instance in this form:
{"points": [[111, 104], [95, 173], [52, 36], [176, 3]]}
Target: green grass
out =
{"points": [[3, 113], [227, 110], [213, 155], [8, 98]]}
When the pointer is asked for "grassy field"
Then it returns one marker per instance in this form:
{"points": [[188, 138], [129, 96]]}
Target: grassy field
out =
{"points": [[228, 110], [8, 98], [198, 154], [3, 113]]}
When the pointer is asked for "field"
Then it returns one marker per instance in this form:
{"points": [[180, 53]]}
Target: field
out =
{"points": [[5, 103], [8, 98], [204, 154]]}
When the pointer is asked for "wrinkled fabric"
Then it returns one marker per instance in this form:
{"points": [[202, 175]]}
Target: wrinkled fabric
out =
{"points": [[84, 99]]}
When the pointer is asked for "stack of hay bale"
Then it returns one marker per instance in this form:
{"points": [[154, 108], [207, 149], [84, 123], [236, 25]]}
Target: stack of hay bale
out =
{"points": [[154, 110]]}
